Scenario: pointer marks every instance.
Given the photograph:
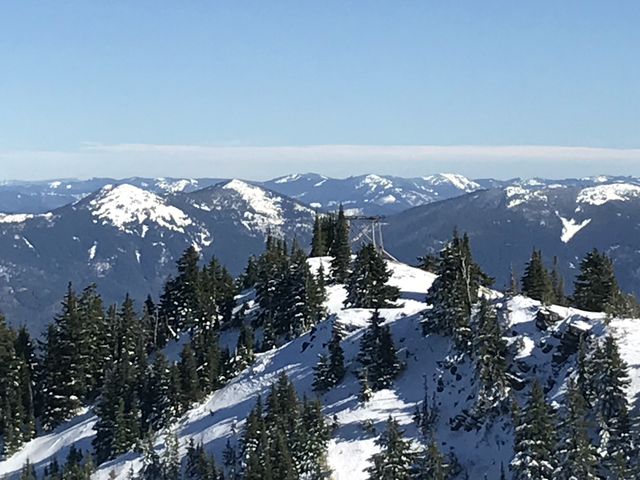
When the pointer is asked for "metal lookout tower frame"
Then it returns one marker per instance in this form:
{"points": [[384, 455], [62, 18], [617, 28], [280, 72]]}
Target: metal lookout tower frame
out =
{"points": [[370, 228]]}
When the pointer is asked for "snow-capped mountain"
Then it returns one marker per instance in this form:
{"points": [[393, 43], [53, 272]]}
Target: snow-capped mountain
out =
{"points": [[371, 194], [536, 350], [505, 224], [126, 239]]}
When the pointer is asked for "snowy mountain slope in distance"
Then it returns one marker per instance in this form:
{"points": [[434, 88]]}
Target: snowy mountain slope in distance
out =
{"points": [[428, 359], [371, 194], [127, 239], [506, 224]]}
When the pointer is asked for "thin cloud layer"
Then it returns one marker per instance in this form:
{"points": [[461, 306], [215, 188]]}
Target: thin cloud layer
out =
{"points": [[260, 162]]}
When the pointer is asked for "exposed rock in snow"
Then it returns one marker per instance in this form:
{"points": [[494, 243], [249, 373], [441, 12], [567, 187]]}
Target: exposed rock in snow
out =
{"points": [[375, 182], [174, 186], [571, 227], [125, 205], [601, 194], [21, 217]]}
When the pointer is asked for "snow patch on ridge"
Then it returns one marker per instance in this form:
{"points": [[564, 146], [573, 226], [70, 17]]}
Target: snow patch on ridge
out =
{"points": [[601, 194], [126, 205]]}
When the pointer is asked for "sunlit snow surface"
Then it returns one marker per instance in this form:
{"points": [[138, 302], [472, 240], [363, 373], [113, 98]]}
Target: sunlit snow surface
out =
{"points": [[126, 205], [601, 194], [428, 359]]}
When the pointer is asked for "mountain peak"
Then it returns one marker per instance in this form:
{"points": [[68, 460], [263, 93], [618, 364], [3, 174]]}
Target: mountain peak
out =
{"points": [[124, 205], [601, 194]]}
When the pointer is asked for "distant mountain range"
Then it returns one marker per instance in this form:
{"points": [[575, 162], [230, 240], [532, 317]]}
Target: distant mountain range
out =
{"points": [[125, 235]]}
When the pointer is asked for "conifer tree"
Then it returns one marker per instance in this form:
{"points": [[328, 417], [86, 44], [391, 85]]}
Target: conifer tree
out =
{"points": [[367, 283], [454, 292], [557, 284], [318, 242], [341, 249], [431, 464], [28, 369], [64, 369], [378, 354], [396, 458], [189, 380], [609, 380], [490, 353], [596, 288], [535, 439], [536, 281], [28, 472], [577, 457], [426, 414]]}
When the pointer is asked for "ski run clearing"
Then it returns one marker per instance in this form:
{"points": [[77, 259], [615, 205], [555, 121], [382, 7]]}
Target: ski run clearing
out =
{"points": [[428, 359]]}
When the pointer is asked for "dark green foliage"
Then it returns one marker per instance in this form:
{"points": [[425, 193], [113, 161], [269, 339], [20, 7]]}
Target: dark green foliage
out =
{"points": [[330, 370], [189, 380], [341, 249], [287, 441], [290, 297], [557, 284], [378, 354], [576, 455], [596, 288], [396, 458], [426, 414], [536, 281], [431, 464], [367, 283], [65, 367], [28, 472], [490, 355], [535, 439], [453, 294]]}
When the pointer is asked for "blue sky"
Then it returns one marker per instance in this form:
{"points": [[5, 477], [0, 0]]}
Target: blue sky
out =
{"points": [[256, 89]]}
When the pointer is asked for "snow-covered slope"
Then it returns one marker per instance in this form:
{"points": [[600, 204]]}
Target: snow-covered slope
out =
{"points": [[534, 351]]}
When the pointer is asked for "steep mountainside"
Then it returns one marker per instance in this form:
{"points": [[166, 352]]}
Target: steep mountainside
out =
{"points": [[545, 351], [126, 239], [506, 224]]}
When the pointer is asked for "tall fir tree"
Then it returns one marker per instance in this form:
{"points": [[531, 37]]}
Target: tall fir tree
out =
{"points": [[396, 458], [596, 288], [536, 281], [577, 456], [378, 354], [454, 292], [341, 249], [490, 358], [431, 464], [367, 284], [535, 439]]}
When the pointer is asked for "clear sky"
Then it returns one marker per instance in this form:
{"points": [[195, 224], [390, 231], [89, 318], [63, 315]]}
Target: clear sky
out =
{"points": [[260, 88]]}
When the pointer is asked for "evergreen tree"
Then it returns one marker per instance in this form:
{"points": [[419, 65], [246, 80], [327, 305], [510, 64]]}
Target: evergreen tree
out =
{"points": [[330, 370], [378, 354], [536, 281], [28, 369], [28, 472], [431, 464], [454, 292], [367, 283], [64, 368], [535, 440], [596, 288], [189, 380], [341, 249], [319, 247], [426, 414], [577, 457], [396, 458], [557, 284], [490, 353], [609, 380]]}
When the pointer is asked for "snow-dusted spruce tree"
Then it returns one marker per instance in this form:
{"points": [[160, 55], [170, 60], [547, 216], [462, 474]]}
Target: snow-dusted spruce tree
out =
{"points": [[536, 281], [557, 283], [490, 358], [454, 292], [431, 464], [199, 465], [64, 380], [396, 458], [378, 354], [330, 370], [609, 379], [340, 249], [576, 455], [535, 439], [286, 440], [426, 414], [13, 416], [367, 283]]}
